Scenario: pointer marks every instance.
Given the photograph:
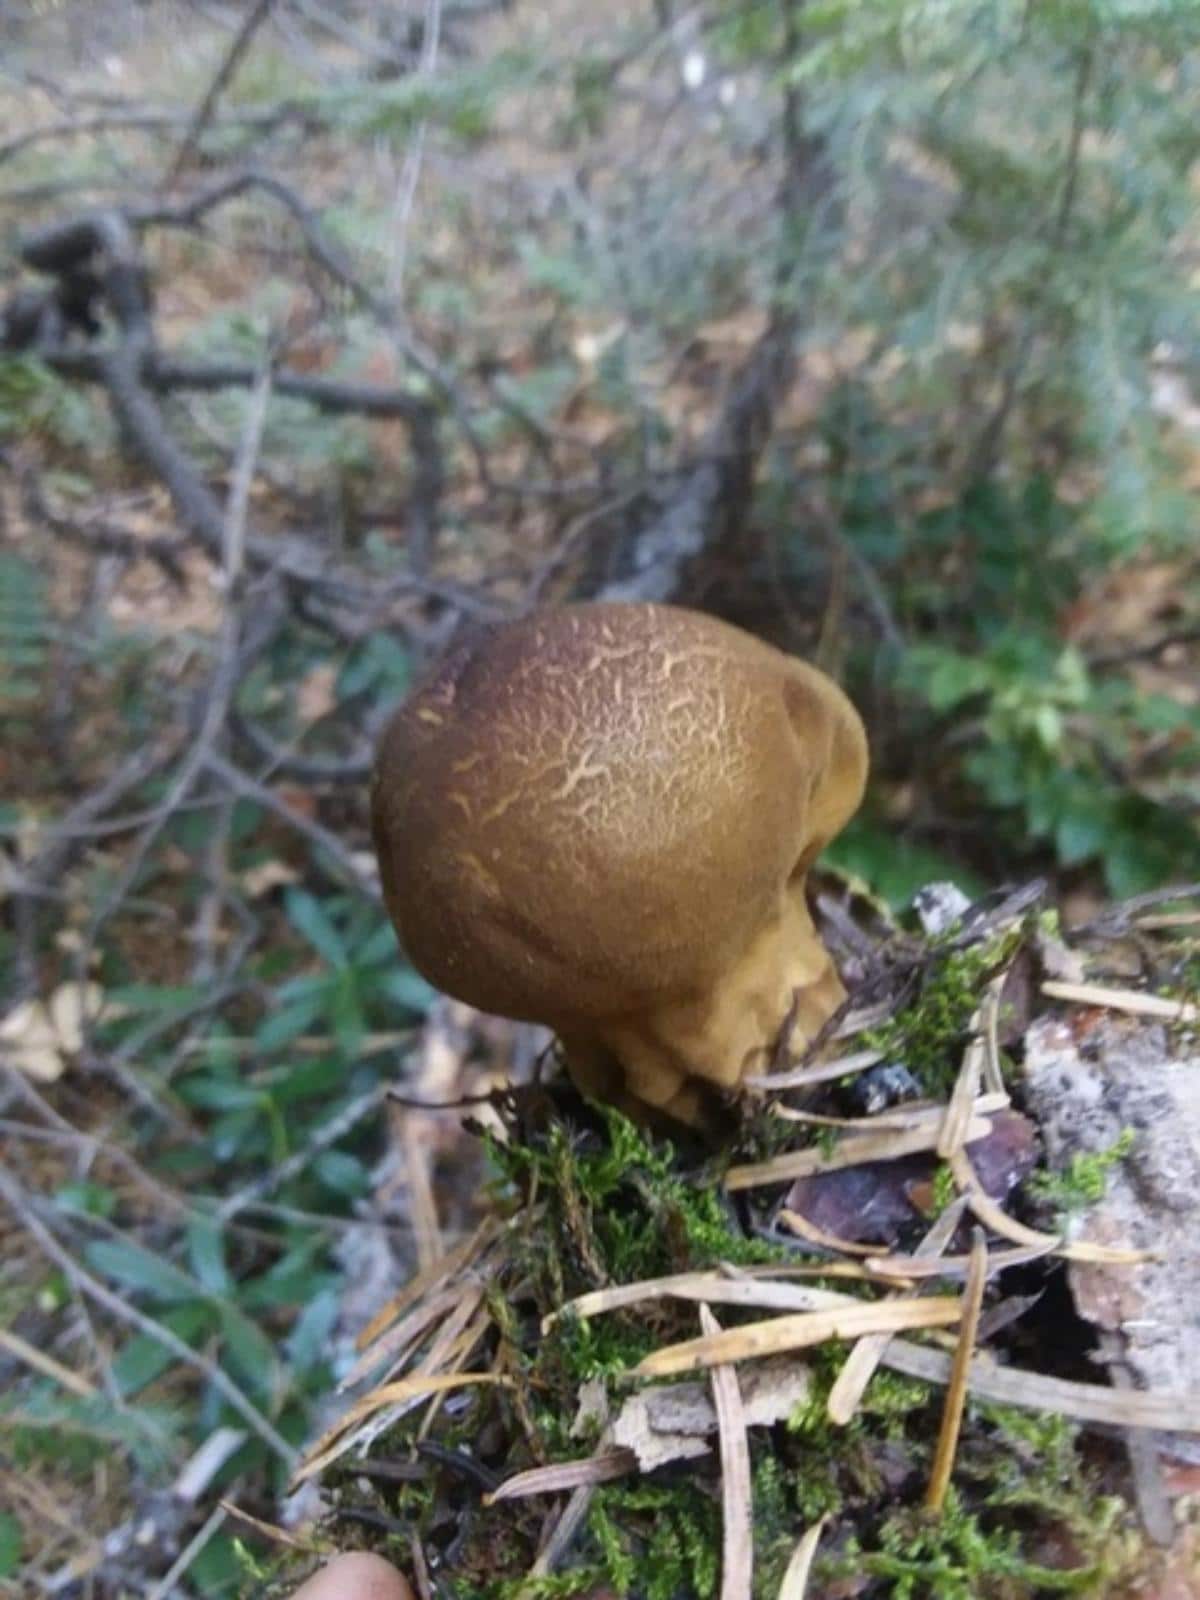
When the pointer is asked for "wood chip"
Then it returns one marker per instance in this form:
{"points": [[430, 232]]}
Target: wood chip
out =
{"points": [[956, 1392], [737, 1542], [1134, 1001], [674, 1421], [780, 1334]]}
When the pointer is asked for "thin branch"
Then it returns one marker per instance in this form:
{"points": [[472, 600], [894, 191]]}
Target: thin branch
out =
{"points": [[232, 60]]}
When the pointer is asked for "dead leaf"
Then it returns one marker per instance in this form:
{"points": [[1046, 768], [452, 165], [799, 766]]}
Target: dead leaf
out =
{"points": [[316, 693], [268, 875], [29, 1041]]}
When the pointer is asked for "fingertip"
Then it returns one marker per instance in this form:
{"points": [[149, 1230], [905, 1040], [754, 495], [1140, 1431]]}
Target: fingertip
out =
{"points": [[356, 1576]]}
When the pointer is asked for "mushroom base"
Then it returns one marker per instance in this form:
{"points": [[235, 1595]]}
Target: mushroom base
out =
{"points": [[681, 1061]]}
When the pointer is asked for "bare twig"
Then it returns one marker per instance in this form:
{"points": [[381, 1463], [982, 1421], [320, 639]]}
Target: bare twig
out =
{"points": [[221, 78]]}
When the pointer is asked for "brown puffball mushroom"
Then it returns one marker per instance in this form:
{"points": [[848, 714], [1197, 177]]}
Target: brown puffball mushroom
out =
{"points": [[601, 818]]}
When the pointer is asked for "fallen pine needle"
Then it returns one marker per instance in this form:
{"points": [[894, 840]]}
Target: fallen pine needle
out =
{"points": [[398, 1341], [1081, 1402], [431, 1278], [956, 1392], [795, 1579], [795, 1223], [737, 1542], [998, 1220], [852, 1151], [1134, 1001], [706, 1287], [826, 1072], [779, 1334], [898, 1268], [600, 1468], [860, 1365]]}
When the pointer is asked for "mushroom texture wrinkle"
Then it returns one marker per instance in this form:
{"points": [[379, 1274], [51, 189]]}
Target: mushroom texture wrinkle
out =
{"points": [[601, 818]]}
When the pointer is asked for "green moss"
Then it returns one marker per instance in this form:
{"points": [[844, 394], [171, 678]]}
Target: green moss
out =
{"points": [[659, 1540], [955, 1557], [927, 1036], [596, 1202], [1084, 1180], [944, 1190]]}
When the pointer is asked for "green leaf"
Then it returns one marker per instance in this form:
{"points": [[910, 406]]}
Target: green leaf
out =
{"points": [[93, 1199], [410, 990], [1081, 834], [142, 1359], [342, 1172], [249, 1350], [206, 1255], [346, 1015], [380, 946], [217, 1092], [293, 1279], [138, 1269], [308, 917], [308, 1344], [281, 1027], [10, 1545]]}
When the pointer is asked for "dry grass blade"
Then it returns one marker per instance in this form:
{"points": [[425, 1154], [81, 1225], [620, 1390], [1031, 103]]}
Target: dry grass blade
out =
{"points": [[795, 1579], [270, 1530], [852, 1151], [326, 1449], [780, 1334], [1081, 1402], [453, 1262], [46, 1365], [737, 1543], [453, 1346], [826, 1072], [1133, 1001], [600, 1468], [397, 1343], [861, 1364], [956, 1393]]}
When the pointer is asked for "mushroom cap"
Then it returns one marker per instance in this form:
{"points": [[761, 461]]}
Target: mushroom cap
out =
{"points": [[591, 811]]}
